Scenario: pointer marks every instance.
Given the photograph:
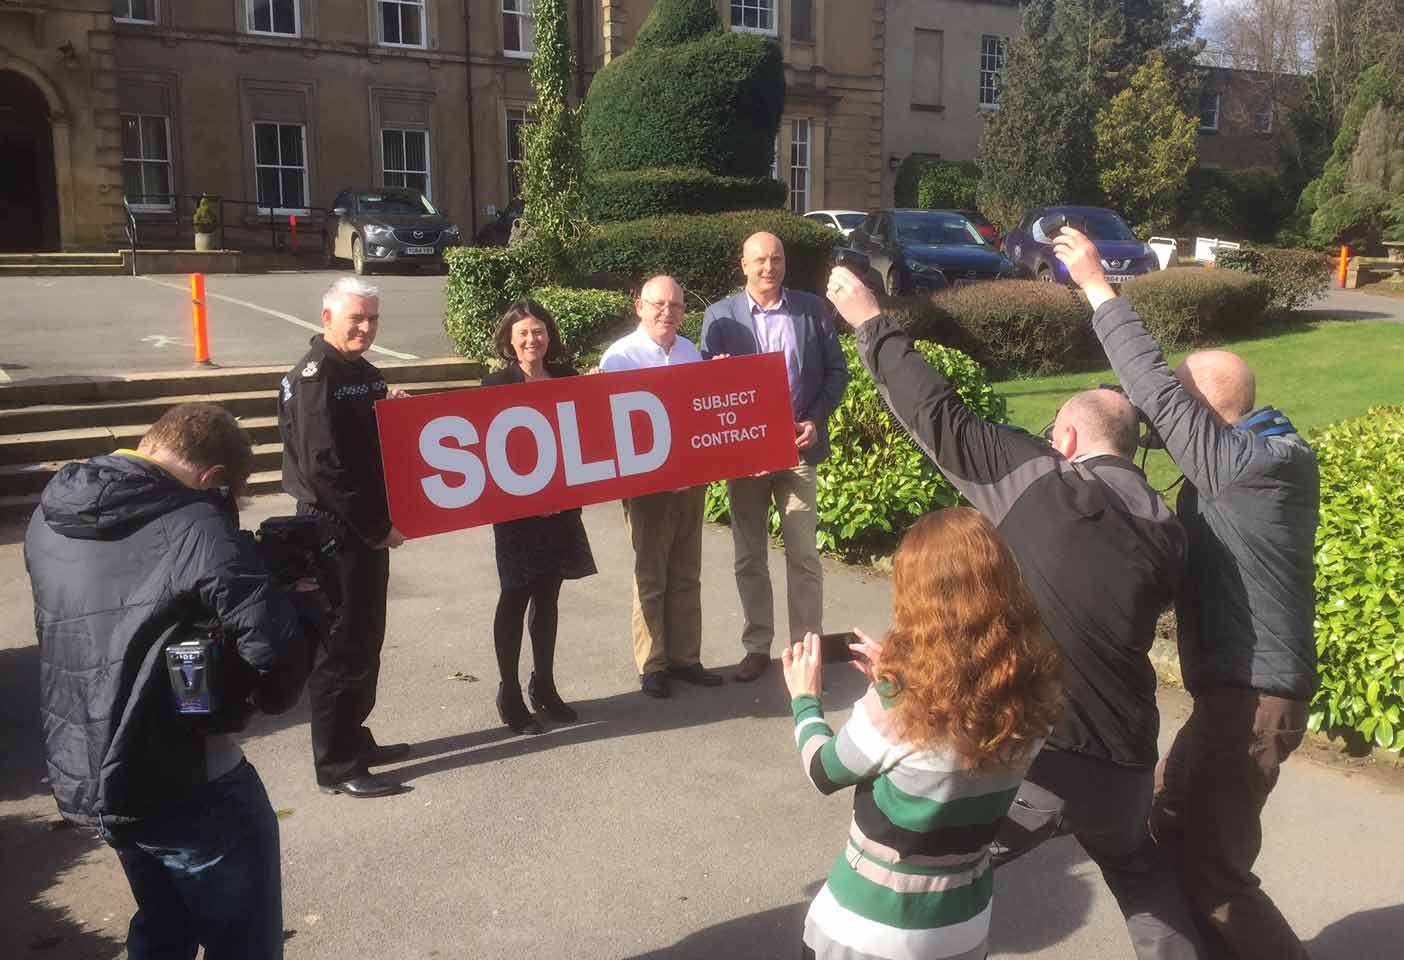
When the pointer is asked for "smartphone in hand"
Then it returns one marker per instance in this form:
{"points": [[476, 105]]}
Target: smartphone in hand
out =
{"points": [[834, 647]]}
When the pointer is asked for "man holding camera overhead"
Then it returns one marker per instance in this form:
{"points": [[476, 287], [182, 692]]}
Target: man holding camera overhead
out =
{"points": [[768, 317], [331, 466], [1244, 614], [159, 630]]}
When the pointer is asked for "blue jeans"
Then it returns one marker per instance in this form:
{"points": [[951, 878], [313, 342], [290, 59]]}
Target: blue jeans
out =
{"points": [[207, 875]]}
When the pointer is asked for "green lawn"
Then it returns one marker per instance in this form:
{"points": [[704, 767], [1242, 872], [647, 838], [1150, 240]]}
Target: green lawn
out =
{"points": [[1326, 372]]}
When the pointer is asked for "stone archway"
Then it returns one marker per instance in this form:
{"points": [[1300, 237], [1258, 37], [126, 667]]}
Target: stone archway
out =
{"points": [[29, 199]]}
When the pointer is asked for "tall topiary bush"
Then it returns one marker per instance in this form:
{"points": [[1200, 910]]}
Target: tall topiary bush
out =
{"points": [[687, 95], [1360, 578], [948, 185]]}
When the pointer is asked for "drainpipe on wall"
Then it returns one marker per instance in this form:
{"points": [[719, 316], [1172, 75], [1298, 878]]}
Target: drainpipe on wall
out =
{"points": [[472, 139]]}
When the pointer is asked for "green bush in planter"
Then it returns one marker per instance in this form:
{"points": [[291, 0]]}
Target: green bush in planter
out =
{"points": [[1360, 578], [203, 219], [876, 482], [1187, 305]]}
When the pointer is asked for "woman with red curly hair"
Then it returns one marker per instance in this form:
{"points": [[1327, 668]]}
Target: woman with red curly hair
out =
{"points": [[964, 689]]}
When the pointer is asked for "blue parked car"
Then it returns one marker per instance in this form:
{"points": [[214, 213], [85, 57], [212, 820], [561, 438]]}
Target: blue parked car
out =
{"points": [[1123, 256]]}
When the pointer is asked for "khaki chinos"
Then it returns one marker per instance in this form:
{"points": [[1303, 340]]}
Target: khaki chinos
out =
{"points": [[666, 531], [794, 493]]}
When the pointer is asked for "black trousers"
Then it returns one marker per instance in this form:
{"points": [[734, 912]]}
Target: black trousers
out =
{"points": [[346, 667]]}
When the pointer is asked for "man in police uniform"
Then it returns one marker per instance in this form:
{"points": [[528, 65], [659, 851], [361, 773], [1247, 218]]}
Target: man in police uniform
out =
{"points": [[331, 466]]}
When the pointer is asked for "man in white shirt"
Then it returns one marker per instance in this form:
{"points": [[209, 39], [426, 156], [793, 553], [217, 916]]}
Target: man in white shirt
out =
{"points": [[666, 528]]}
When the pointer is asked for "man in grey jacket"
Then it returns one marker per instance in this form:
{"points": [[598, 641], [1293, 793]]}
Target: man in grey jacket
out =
{"points": [[1244, 612]]}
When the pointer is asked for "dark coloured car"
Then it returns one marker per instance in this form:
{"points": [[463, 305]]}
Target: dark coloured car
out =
{"points": [[926, 250], [380, 226], [1123, 256]]}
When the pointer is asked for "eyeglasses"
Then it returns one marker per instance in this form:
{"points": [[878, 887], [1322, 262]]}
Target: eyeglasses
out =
{"points": [[675, 306]]}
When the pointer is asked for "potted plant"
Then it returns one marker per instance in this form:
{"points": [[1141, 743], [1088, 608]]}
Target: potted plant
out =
{"points": [[204, 223]]}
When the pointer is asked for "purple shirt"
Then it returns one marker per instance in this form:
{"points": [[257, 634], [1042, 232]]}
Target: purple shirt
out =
{"points": [[775, 333]]}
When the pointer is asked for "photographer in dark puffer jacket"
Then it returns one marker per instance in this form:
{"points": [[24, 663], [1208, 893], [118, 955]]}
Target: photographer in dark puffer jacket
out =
{"points": [[128, 553]]}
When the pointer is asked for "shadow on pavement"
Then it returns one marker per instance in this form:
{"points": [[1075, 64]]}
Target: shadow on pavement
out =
{"points": [[1369, 933], [1324, 313], [623, 715], [773, 935], [36, 849], [1038, 900]]}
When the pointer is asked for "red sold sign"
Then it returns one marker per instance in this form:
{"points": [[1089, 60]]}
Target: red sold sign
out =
{"points": [[484, 455]]}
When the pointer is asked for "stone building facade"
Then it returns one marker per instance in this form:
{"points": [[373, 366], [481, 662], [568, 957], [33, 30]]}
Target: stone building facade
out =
{"points": [[275, 105]]}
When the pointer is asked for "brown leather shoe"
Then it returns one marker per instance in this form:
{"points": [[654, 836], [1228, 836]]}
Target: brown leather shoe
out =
{"points": [[752, 665]]}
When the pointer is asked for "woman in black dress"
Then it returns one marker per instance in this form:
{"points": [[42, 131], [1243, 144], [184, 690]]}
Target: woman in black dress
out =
{"points": [[534, 554]]}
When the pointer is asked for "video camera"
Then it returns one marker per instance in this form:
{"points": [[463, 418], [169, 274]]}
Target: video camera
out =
{"points": [[209, 683]]}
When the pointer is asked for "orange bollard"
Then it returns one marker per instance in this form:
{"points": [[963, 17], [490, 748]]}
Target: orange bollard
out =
{"points": [[292, 226], [1341, 272], [202, 333]]}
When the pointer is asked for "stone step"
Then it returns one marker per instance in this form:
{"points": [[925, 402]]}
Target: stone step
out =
{"points": [[62, 270], [48, 417], [22, 478], [68, 391], [60, 259], [87, 442]]}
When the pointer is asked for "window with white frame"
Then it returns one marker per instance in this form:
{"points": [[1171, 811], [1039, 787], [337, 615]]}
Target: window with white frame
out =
{"points": [[280, 166], [994, 52], [1262, 119], [404, 156], [134, 11], [402, 23], [146, 162], [799, 166], [1209, 111], [279, 17], [754, 16], [518, 28], [517, 119]]}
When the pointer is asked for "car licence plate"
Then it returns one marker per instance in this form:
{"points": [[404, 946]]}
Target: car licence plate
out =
{"points": [[419, 251], [1119, 278]]}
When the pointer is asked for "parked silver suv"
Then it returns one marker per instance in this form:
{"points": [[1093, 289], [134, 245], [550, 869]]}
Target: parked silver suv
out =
{"points": [[375, 226]]}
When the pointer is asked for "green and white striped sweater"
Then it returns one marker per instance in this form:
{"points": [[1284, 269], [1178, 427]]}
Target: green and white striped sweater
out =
{"points": [[915, 881]]}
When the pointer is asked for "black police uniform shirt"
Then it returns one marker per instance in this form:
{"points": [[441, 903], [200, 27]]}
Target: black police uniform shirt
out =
{"points": [[331, 444]]}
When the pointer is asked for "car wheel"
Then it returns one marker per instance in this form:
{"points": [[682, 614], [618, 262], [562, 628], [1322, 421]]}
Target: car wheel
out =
{"points": [[358, 258], [1045, 275], [892, 283]]}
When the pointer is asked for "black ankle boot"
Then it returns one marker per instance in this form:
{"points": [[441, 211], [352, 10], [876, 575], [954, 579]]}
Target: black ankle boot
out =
{"points": [[513, 712], [547, 700]]}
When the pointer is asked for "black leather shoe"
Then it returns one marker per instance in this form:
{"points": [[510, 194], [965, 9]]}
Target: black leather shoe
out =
{"points": [[364, 785], [386, 753], [655, 685], [697, 675], [514, 712], [545, 699]]}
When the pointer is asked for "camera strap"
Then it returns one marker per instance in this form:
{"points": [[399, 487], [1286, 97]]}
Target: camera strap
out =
{"points": [[1268, 422]]}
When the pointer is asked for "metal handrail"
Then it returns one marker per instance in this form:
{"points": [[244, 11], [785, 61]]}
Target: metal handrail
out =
{"points": [[277, 222], [131, 232]]}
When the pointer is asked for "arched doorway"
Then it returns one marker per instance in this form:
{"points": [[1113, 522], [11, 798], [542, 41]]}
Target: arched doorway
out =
{"points": [[29, 207]]}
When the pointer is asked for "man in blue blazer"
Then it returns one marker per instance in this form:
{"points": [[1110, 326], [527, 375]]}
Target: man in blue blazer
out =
{"points": [[767, 317]]}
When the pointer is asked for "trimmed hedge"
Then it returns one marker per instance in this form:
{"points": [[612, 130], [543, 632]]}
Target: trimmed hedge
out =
{"points": [[1022, 326], [481, 282], [1295, 278], [631, 194], [1252, 203], [703, 252], [586, 317], [1360, 578], [876, 482], [1188, 305], [678, 21], [712, 103]]}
